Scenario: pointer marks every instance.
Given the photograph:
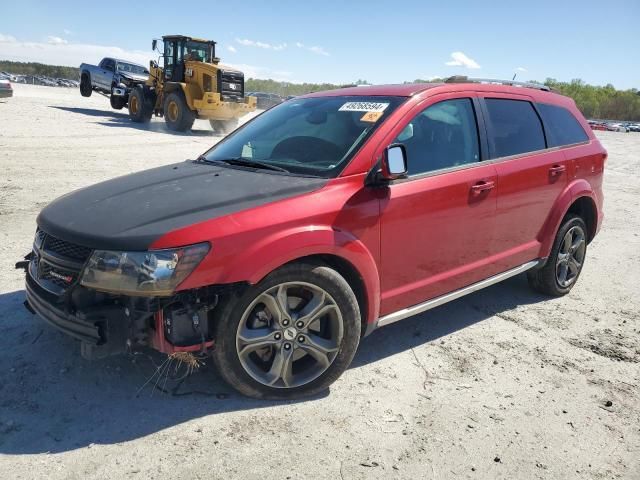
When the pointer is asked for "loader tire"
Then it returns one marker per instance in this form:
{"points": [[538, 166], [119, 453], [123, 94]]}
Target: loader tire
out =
{"points": [[177, 114], [140, 106]]}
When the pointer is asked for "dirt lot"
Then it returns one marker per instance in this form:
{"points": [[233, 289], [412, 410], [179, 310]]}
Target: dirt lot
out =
{"points": [[501, 384]]}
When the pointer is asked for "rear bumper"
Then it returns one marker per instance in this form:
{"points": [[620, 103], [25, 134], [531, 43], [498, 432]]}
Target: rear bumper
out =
{"points": [[6, 93]]}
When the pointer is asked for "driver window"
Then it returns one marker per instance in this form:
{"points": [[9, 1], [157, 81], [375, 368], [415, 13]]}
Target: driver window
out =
{"points": [[443, 135]]}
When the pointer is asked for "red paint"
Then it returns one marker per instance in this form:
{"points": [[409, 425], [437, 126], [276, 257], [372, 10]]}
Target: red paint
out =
{"points": [[418, 238]]}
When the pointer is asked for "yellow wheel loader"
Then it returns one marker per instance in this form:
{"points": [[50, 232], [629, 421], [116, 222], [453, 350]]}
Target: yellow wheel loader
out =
{"points": [[190, 84]]}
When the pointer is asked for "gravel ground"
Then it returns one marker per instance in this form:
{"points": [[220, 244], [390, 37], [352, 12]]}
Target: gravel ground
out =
{"points": [[501, 384]]}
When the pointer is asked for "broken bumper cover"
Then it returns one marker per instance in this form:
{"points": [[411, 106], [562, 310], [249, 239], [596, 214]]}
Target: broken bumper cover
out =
{"points": [[69, 324]]}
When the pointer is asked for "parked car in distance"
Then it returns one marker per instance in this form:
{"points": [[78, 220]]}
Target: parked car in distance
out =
{"points": [[114, 77], [265, 100], [319, 221], [6, 90], [616, 127]]}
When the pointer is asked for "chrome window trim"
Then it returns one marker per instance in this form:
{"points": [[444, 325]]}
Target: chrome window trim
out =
{"points": [[442, 171]]}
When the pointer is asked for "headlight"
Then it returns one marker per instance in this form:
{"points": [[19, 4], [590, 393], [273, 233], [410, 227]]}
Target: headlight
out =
{"points": [[154, 273]]}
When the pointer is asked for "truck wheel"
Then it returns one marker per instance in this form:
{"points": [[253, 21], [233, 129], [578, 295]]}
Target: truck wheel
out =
{"points": [[289, 336], [85, 85], [224, 126], [140, 107], [564, 265], [117, 102], [177, 114]]}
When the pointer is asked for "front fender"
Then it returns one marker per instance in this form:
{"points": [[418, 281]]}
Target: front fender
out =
{"points": [[576, 189], [261, 257]]}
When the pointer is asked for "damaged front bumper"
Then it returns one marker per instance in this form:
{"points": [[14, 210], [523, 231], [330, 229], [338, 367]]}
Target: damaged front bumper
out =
{"points": [[108, 324]]}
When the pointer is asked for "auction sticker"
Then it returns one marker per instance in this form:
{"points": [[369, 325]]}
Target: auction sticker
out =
{"points": [[364, 107], [371, 117]]}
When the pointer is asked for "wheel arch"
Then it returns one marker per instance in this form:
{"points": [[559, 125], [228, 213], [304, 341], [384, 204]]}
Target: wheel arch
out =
{"points": [[351, 274], [578, 198], [585, 207]]}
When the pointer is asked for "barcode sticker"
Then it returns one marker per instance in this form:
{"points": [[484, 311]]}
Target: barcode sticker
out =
{"points": [[364, 107]]}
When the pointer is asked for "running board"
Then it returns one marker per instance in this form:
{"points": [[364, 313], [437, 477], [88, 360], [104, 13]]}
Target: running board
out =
{"points": [[436, 302]]}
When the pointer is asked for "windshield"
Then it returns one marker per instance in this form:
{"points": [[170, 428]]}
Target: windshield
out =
{"points": [[311, 136], [197, 51], [131, 68]]}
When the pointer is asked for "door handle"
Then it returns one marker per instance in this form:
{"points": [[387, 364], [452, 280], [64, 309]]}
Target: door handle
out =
{"points": [[557, 170], [482, 186]]}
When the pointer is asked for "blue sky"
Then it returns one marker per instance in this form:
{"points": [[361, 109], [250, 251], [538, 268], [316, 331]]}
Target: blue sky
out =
{"points": [[342, 41]]}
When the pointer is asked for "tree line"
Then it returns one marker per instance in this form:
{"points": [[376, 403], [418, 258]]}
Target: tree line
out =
{"points": [[594, 101], [33, 68]]}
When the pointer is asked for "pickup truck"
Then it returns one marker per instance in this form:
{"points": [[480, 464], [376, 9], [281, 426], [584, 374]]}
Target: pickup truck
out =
{"points": [[114, 77]]}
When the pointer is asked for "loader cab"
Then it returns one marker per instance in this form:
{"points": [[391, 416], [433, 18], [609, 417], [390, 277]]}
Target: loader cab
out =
{"points": [[178, 49]]}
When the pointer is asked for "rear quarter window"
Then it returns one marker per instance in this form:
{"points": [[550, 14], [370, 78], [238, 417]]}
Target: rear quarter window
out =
{"points": [[562, 127], [515, 127]]}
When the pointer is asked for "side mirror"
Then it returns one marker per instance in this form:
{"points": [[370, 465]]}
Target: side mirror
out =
{"points": [[154, 44], [394, 163]]}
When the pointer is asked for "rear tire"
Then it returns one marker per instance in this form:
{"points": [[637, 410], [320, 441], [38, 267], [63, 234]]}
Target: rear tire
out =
{"points": [[177, 113], [307, 344], [564, 265], [85, 85], [140, 106], [224, 127]]}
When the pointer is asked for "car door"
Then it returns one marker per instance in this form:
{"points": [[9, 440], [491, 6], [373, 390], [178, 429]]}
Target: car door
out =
{"points": [[105, 74], [530, 176], [437, 226]]}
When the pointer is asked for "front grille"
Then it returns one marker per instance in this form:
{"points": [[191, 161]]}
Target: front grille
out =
{"points": [[56, 263], [66, 249], [231, 85]]}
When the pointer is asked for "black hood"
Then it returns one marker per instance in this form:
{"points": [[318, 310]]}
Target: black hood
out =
{"points": [[131, 212]]}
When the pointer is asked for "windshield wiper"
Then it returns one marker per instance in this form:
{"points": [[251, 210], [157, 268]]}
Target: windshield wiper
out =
{"points": [[245, 162]]}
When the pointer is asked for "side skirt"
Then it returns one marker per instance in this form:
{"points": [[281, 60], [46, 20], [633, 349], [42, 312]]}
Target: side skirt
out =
{"points": [[448, 297]]}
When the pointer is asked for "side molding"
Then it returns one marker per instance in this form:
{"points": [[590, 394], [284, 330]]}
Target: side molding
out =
{"points": [[435, 302]]}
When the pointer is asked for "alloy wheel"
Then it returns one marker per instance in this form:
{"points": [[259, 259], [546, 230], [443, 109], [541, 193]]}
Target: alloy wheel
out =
{"points": [[570, 256], [289, 335]]}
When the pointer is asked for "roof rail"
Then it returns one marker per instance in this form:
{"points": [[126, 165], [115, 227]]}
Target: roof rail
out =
{"points": [[464, 79]]}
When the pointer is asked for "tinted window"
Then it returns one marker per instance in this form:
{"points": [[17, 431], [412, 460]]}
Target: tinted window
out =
{"points": [[515, 127], [562, 126], [441, 136]]}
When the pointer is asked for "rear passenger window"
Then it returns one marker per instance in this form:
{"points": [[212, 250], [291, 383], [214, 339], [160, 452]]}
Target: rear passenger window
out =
{"points": [[443, 135], [562, 126], [515, 127]]}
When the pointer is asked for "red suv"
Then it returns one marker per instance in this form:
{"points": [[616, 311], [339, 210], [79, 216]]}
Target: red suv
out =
{"points": [[320, 220]]}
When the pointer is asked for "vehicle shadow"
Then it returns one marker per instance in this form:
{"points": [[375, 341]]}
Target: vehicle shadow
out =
{"points": [[52, 400], [446, 319], [122, 120]]}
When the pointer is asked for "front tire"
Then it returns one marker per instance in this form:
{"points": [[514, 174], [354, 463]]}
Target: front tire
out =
{"points": [[564, 265], [290, 336], [117, 103], [140, 106], [177, 113], [224, 126]]}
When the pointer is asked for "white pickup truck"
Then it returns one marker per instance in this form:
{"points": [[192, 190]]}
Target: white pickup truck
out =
{"points": [[113, 77]]}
